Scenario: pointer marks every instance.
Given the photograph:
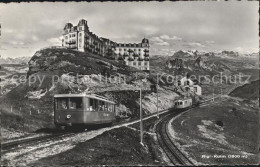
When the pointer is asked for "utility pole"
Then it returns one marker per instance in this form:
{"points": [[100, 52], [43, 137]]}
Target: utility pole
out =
{"points": [[213, 95], [221, 92], [141, 117], [157, 100]]}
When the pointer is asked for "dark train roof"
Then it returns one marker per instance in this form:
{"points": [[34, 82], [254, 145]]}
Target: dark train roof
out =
{"points": [[94, 96]]}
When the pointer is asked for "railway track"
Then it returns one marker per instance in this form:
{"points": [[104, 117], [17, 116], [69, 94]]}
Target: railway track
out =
{"points": [[12, 145], [9, 146], [172, 151]]}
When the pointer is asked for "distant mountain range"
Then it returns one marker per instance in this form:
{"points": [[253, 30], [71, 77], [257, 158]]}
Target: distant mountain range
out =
{"points": [[224, 54], [196, 64], [206, 63], [18, 60]]}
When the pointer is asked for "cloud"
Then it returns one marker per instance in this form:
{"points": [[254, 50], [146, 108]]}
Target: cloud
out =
{"points": [[35, 38], [159, 41], [8, 31], [16, 43], [165, 51], [166, 37], [2, 48], [230, 24], [196, 44], [55, 41], [246, 50], [163, 40], [210, 42], [163, 43]]}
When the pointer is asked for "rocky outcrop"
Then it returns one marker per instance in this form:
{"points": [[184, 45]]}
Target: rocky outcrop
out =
{"points": [[185, 54], [230, 53], [201, 64], [175, 64], [74, 62], [219, 66]]}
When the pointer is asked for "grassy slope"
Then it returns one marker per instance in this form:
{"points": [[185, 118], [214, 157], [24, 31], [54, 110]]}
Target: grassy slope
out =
{"points": [[248, 91], [116, 147], [198, 134]]}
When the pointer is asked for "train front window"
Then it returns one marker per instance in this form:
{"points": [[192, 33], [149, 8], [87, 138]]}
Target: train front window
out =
{"points": [[62, 103], [110, 107], [75, 103]]}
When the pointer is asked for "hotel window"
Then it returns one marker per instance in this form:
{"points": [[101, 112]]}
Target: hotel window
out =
{"points": [[139, 63], [80, 28], [139, 49], [145, 63], [134, 63], [80, 34], [66, 37]]}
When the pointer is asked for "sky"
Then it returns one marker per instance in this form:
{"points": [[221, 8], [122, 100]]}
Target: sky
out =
{"points": [[169, 26]]}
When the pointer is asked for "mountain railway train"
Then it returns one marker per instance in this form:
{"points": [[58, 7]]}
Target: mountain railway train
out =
{"points": [[185, 103], [82, 109]]}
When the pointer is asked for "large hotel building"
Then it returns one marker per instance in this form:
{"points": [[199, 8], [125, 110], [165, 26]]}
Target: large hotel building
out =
{"points": [[80, 38]]}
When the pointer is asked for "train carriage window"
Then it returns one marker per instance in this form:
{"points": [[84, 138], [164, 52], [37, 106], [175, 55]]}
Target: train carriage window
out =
{"points": [[93, 104], [106, 106], [101, 105], [96, 102], [110, 109], [62, 103], [75, 103]]}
